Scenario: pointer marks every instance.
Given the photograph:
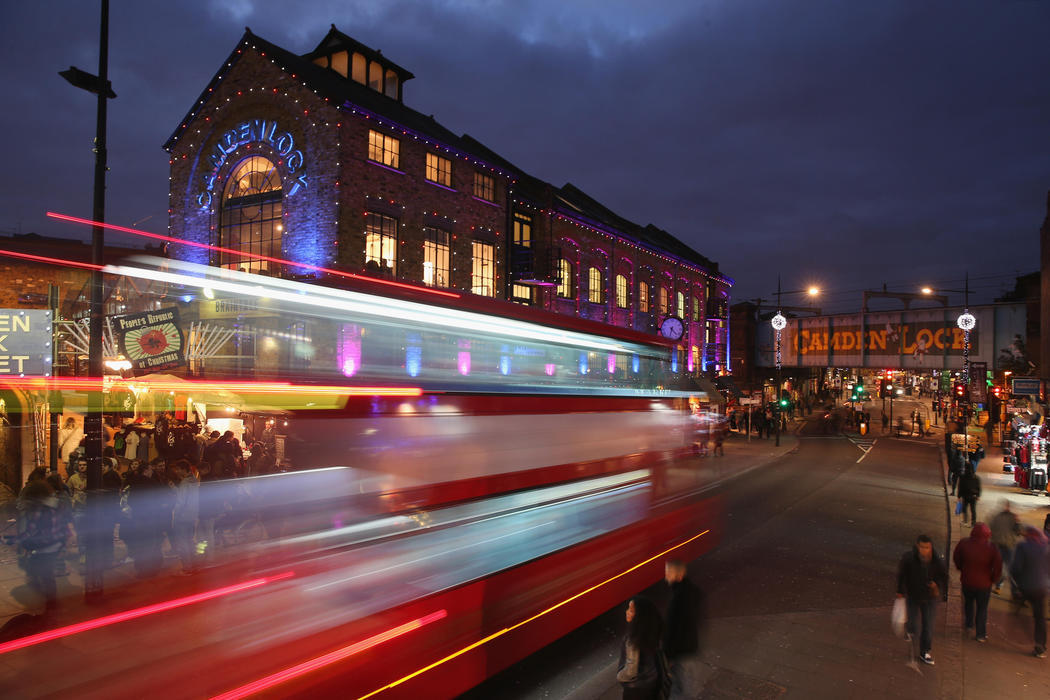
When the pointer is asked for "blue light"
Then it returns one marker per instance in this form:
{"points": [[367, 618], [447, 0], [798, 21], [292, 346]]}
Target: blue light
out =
{"points": [[583, 363], [504, 364], [674, 360], [187, 298], [413, 360], [636, 364]]}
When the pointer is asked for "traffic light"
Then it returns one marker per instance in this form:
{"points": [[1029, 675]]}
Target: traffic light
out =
{"points": [[784, 403], [884, 388], [997, 392], [962, 392]]}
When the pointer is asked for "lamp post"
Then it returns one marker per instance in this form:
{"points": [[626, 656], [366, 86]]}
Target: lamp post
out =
{"points": [[100, 86], [779, 323], [966, 321]]}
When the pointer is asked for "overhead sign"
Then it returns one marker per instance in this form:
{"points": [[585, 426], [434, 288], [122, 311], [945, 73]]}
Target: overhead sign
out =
{"points": [[151, 341], [1025, 386], [25, 342]]}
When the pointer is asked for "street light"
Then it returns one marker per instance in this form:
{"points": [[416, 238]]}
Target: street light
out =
{"points": [[966, 321], [100, 86], [779, 323]]}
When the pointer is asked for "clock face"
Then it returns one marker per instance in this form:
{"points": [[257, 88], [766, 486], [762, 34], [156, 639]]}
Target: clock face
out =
{"points": [[672, 328]]}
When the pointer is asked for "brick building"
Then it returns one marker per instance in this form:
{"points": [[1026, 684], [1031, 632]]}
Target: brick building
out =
{"points": [[316, 159]]}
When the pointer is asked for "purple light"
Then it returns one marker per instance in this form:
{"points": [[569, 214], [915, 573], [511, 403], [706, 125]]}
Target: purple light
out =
{"points": [[463, 362], [548, 369], [611, 364], [349, 354]]}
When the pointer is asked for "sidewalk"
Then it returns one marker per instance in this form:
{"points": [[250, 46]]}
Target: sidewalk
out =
{"points": [[1006, 660]]}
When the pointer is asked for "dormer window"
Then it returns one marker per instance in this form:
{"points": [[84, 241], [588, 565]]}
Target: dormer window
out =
{"points": [[339, 63], [355, 61], [360, 64], [375, 76], [390, 84]]}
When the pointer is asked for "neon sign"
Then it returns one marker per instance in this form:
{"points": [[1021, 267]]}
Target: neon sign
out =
{"points": [[253, 131]]}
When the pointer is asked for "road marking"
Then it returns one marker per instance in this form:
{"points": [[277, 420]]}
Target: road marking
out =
{"points": [[864, 445]]}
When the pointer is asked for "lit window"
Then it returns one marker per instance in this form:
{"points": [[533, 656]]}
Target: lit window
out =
{"points": [[696, 308], [439, 170], [565, 279], [643, 297], [621, 291], [435, 257], [522, 229], [381, 241], [250, 218], [680, 298], [521, 293], [483, 269], [384, 149], [663, 301], [484, 187], [390, 88], [339, 63], [375, 76], [359, 67], [595, 290]]}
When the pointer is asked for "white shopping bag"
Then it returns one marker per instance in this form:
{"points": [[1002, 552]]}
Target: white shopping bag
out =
{"points": [[899, 617]]}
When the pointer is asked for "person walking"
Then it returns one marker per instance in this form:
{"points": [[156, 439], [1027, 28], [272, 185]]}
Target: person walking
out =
{"points": [[1005, 529], [885, 423], [40, 540], [184, 516], [1031, 572], [969, 492], [640, 671], [682, 630], [956, 468], [921, 576], [980, 565]]}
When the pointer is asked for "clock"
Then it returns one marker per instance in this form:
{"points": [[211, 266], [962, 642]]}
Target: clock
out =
{"points": [[672, 328]]}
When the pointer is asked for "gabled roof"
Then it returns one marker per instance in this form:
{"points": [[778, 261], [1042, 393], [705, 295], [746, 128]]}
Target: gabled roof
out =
{"points": [[335, 41]]}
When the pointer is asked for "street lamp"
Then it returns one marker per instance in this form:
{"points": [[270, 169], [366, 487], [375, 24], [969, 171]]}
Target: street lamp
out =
{"points": [[966, 321], [100, 86], [779, 323]]}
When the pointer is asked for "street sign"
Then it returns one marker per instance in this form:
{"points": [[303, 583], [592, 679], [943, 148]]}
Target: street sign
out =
{"points": [[25, 342], [1025, 386], [750, 402]]}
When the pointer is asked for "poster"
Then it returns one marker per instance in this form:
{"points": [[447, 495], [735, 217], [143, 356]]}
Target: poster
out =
{"points": [[151, 341]]}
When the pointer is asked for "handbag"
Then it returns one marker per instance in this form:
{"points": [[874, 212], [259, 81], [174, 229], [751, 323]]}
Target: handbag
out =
{"points": [[899, 617], [958, 507]]}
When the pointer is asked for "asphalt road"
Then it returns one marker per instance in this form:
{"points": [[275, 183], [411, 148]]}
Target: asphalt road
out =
{"points": [[798, 592]]}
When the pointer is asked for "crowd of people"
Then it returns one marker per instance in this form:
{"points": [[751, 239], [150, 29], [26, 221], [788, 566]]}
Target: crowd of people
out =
{"points": [[142, 503]]}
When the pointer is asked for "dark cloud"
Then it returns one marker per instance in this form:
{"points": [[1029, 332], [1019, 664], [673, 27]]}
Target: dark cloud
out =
{"points": [[841, 142]]}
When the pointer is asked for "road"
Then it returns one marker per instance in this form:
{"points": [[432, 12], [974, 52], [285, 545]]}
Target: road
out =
{"points": [[800, 588]]}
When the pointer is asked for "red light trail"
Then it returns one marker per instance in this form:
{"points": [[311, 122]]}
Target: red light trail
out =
{"points": [[253, 256], [188, 386], [60, 632]]}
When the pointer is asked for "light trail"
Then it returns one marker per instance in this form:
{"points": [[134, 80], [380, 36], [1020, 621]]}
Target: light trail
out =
{"points": [[189, 386], [116, 618]]}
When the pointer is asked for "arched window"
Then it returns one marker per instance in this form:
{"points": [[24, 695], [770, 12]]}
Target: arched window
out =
{"points": [[359, 66], [595, 286], [663, 301], [643, 297], [250, 218], [565, 286], [621, 292], [680, 308], [375, 76], [390, 85]]}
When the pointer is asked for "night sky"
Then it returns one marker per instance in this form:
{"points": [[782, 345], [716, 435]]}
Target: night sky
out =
{"points": [[837, 142]]}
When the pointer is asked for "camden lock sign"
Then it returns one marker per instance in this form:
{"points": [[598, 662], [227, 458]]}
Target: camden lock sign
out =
{"points": [[25, 342], [262, 131], [895, 339]]}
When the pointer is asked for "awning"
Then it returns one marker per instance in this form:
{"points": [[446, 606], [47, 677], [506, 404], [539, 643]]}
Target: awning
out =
{"points": [[726, 383]]}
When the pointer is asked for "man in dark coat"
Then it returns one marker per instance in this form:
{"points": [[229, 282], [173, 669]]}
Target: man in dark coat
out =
{"points": [[1031, 570], [980, 565], [921, 577], [682, 630], [969, 492]]}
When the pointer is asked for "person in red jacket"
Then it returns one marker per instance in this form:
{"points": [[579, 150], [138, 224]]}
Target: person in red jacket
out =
{"points": [[980, 565]]}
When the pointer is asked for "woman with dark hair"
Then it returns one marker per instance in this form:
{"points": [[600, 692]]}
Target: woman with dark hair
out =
{"points": [[640, 670]]}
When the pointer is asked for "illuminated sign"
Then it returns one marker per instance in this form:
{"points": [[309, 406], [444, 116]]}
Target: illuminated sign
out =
{"points": [[253, 131], [152, 340], [25, 342], [906, 338]]}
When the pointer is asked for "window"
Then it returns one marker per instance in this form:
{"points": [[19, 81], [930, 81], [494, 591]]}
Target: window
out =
{"points": [[390, 87], [521, 293], [381, 241], [621, 291], [250, 216], [384, 149], [375, 76], [339, 63], [696, 308], [643, 297], [565, 286], [483, 269], [359, 65], [484, 187], [663, 301], [522, 229], [435, 257], [595, 291], [439, 170], [680, 308]]}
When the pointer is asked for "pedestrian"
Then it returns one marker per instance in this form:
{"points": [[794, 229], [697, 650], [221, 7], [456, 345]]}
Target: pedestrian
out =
{"points": [[956, 467], [969, 492], [980, 565], [720, 450], [640, 670], [885, 423], [920, 578], [184, 516], [682, 630], [147, 500], [1031, 571], [40, 540], [1005, 529], [69, 438]]}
